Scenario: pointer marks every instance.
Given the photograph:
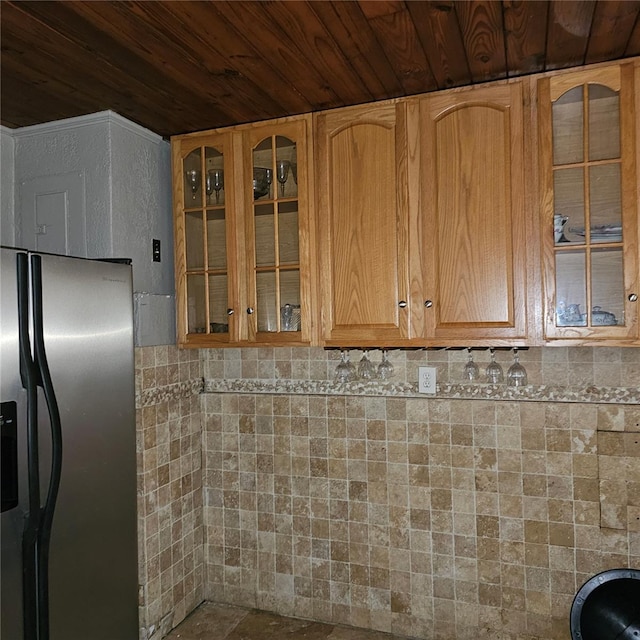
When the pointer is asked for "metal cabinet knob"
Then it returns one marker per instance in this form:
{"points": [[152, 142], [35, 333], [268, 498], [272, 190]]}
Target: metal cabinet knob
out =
{"points": [[249, 310], [633, 297], [428, 303], [229, 312], [402, 304]]}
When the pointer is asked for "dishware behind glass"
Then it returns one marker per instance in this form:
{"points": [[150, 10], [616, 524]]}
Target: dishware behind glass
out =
{"points": [[215, 182], [516, 374], [385, 368], [282, 173], [262, 179], [193, 179], [366, 368], [471, 370], [494, 370], [345, 371], [558, 227]]}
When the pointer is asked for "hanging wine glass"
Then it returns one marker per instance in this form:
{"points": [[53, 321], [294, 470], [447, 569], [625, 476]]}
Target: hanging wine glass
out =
{"points": [[471, 370], [215, 181], [494, 370], [193, 179], [345, 371], [516, 374], [282, 173], [385, 368], [366, 368]]}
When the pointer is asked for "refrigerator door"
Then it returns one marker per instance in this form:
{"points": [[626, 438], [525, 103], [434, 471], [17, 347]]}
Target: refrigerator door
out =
{"points": [[88, 333], [11, 391]]}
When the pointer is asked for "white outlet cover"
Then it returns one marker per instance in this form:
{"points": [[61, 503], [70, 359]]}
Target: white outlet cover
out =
{"points": [[427, 379]]}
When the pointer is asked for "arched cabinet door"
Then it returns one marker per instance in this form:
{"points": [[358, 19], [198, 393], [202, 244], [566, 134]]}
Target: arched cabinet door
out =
{"points": [[474, 222], [243, 235], [277, 233], [363, 225], [206, 278], [587, 137]]}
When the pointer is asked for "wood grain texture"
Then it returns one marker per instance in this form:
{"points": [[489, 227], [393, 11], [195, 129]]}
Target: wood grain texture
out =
{"points": [[185, 66], [473, 213]]}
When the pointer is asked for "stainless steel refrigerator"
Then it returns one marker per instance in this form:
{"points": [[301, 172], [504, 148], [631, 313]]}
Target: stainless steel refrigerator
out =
{"points": [[69, 545]]}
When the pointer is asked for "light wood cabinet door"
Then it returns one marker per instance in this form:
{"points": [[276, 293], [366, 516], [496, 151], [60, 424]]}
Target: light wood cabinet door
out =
{"points": [[474, 217], [363, 208], [587, 135], [277, 232], [243, 236], [207, 294]]}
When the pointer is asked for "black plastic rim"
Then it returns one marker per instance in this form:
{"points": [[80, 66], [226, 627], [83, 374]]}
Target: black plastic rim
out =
{"points": [[586, 596]]}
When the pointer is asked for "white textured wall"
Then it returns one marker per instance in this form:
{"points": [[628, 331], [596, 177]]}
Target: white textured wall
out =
{"points": [[126, 172], [7, 182]]}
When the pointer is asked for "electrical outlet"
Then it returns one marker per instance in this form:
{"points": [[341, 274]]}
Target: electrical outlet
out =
{"points": [[427, 379]]}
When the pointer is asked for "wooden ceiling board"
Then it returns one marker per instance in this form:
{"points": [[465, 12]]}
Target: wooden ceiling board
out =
{"points": [[483, 36], [526, 34], [568, 32], [396, 31], [354, 36], [180, 66], [611, 17], [439, 33]]}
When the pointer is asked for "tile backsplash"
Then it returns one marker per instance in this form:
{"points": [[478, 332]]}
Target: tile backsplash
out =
{"points": [[474, 513]]}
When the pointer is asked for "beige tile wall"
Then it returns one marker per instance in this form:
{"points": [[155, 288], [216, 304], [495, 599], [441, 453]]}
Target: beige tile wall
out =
{"points": [[169, 428], [439, 518]]}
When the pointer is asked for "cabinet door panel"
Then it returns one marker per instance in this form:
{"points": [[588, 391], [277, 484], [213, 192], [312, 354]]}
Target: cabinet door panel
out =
{"points": [[590, 270], [361, 221], [473, 208]]}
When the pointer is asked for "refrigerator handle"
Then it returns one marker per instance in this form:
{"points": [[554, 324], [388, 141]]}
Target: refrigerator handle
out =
{"points": [[44, 533], [28, 374]]}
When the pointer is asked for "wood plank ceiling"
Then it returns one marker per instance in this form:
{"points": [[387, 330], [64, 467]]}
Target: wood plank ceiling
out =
{"points": [[180, 66]]}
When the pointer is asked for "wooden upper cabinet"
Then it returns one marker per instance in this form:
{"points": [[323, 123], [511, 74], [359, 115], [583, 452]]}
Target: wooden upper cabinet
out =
{"points": [[243, 236], [587, 132], [363, 202], [205, 208], [473, 216]]}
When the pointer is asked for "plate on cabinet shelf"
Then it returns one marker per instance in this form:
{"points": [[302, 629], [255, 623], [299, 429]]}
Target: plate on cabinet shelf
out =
{"points": [[602, 233]]}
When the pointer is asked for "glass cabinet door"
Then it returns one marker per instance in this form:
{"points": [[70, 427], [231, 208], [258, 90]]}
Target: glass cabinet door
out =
{"points": [[589, 266], [275, 232], [206, 275]]}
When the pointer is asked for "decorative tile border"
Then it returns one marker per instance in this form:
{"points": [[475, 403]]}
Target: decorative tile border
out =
{"points": [[530, 393], [176, 391]]}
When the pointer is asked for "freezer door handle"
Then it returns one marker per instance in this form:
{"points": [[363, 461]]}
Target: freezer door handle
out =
{"points": [[44, 531], [28, 373]]}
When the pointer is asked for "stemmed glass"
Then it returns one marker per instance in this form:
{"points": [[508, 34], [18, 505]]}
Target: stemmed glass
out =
{"points": [[516, 374], [494, 370], [366, 369], [471, 370], [345, 371], [193, 178], [215, 182], [385, 368], [282, 173]]}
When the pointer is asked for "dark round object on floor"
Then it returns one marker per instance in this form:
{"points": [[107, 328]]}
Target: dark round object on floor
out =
{"points": [[607, 607]]}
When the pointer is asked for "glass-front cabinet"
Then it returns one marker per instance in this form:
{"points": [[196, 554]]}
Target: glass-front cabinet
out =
{"points": [[242, 235], [277, 233], [590, 197]]}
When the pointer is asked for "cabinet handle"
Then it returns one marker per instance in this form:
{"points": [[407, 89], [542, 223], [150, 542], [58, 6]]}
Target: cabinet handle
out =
{"points": [[249, 310], [229, 312], [402, 304], [633, 297], [428, 304]]}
